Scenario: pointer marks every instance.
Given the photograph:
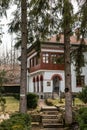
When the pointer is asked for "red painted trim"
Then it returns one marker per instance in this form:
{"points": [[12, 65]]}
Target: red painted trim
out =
{"points": [[37, 79], [33, 79], [58, 75], [41, 77]]}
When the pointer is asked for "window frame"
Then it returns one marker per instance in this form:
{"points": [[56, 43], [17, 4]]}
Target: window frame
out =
{"points": [[80, 81], [45, 58]]}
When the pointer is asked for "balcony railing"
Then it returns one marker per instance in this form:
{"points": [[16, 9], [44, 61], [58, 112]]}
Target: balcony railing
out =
{"points": [[46, 66]]}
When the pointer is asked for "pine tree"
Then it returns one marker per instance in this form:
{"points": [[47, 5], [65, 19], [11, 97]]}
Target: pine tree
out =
{"points": [[23, 86], [67, 19]]}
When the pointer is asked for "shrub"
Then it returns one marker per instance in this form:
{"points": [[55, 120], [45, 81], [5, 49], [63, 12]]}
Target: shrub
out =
{"points": [[82, 118], [2, 81], [36, 117], [2, 104], [16, 96], [49, 102], [83, 95], [17, 122], [32, 100]]}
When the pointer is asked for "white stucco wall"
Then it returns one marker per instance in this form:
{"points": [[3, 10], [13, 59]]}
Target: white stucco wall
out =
{"points": [[73, 77], [47, 75], [30, 84], [85, 68]]}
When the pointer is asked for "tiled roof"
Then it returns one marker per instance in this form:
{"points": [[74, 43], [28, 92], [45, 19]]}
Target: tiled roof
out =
{"points": [[73, 39]]}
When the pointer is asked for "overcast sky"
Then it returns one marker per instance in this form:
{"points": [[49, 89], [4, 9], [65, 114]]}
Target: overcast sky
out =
{"points": [[6, 39]]}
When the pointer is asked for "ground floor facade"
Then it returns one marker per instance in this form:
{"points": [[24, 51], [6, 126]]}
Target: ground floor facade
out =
{"points": [[51, 83]]}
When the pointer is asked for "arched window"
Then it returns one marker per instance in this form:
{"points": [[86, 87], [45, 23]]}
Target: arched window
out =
{"points": [[57, 75], [41, 83], [34, 84], [37, 83], [33, 79]]}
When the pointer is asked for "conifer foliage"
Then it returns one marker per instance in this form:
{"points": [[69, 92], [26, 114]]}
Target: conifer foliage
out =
{"points": [[41, 19], [2, 99]]}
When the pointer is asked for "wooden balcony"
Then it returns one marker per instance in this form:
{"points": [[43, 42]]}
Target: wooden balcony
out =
{"points": [[45, 66], [52, 66]]}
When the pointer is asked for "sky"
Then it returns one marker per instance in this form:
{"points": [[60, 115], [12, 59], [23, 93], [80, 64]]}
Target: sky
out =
{"points": [[7, 38]]}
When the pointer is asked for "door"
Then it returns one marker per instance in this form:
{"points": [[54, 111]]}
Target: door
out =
{"points": [[56, 85]]}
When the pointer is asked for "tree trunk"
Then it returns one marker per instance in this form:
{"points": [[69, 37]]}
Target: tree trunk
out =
{"points": [[68, 89], [23, 107]]}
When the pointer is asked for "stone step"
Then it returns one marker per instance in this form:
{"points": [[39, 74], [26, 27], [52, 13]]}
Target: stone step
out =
{"points": [[49, 117], [51, 112], [52, 108], [51, 121], [56, 125]]}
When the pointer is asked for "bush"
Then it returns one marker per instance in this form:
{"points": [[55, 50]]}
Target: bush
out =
{"points": [[82, 118], [83, 95], [17, 122], [36, 117], [49, 102], [16, 96], [32, 100]]}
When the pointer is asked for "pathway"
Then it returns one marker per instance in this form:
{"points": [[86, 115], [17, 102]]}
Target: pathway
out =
{"points": [[42, 104]]}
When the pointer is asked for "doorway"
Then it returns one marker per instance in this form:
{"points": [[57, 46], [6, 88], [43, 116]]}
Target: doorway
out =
{"points": [[56, 84]]}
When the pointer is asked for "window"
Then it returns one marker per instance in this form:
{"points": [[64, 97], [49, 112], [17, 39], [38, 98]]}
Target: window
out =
{"points": [[45, 58], [80, 81], [31, 62], [41, 83], [34, 84], [53, 58], [60, 58], [37, 84], [36, 60], [57, 58]]}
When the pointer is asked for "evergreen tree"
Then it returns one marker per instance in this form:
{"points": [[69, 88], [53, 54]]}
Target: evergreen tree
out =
{"points": [[67, 19], [2, 81], [23, 86], [4, 4], [45, 21], [47, 18], [81, 35]]}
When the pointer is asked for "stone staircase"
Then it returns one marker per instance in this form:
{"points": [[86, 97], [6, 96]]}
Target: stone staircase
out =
{"points": [[51, 117]]}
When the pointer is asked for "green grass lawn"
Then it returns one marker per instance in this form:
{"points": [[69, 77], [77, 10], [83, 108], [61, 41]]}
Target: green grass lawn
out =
{"points": [[58, 103], [12, 104], [78, 102]]}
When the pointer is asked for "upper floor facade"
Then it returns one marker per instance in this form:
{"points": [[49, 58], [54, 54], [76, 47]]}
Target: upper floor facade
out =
{"points": [[48, 57]]}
